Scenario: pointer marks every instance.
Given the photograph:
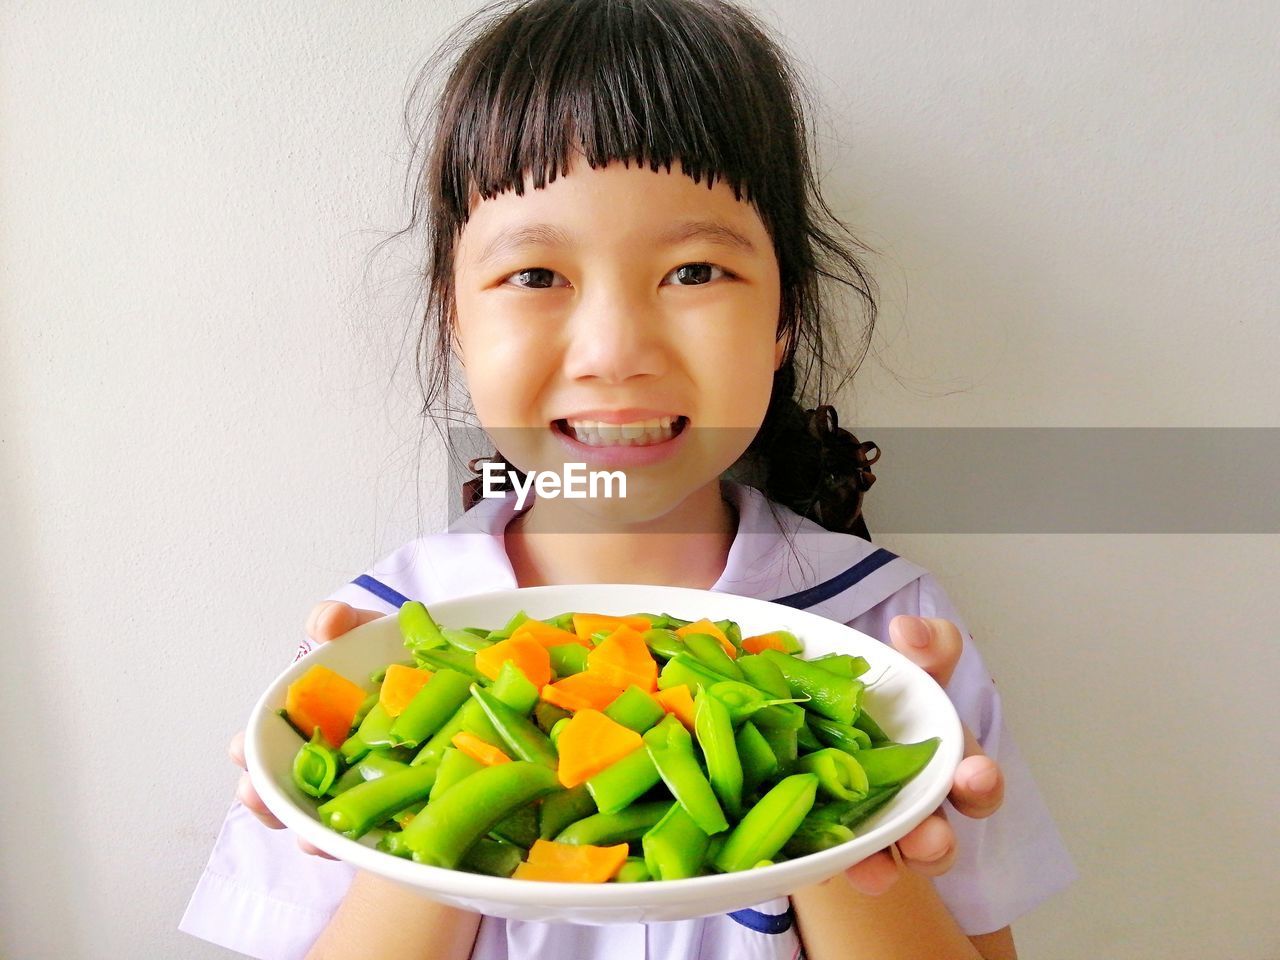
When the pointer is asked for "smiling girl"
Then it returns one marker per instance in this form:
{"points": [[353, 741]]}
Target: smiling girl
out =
{"points": [[627, 251]]}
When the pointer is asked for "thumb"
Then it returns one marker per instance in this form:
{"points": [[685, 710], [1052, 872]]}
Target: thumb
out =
{"points": [[333, 618]]}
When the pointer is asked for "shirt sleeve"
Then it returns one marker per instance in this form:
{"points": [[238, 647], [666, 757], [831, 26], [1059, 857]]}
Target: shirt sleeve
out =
{"points": [[260, 895], [1011, 862]]}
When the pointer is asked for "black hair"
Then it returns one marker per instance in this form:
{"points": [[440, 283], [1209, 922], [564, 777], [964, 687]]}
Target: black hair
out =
{"points": [[701, 82]]}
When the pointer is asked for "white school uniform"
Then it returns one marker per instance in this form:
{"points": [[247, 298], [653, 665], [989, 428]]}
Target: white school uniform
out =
{"points": [[261, 896]]}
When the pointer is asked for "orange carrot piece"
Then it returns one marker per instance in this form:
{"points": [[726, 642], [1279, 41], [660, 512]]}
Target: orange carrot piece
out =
{"points": [[546, 634], [581, 691], [678, 700], [400, 686], [623, 658], [572, 863], [527, 653], [764, 641], [706, 626], [588, 623], [478, 750], [324, 699], [589, 742]]}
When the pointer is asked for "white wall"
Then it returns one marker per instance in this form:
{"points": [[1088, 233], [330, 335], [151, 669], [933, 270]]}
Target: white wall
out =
{"points": [[201, 433]]}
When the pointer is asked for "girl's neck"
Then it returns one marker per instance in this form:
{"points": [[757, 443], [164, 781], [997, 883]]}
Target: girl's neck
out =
{"points": [[689, 548]]}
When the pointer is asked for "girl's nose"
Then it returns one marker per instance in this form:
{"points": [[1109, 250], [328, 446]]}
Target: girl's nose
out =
{"points": [[615, 337]]}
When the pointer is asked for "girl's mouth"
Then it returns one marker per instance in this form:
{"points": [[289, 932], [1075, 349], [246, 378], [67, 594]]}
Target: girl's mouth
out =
{"points": [[640, 433]]}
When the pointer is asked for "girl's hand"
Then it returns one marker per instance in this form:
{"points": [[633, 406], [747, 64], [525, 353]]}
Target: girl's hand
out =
{"points": [[327, 620], [934, 645]]}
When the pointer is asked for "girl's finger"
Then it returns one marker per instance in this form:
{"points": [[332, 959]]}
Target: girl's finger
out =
{"points": [[930, 849], [235, 750], [333, 618], [978, 788], [931, 643], [249, 797], [312, 849], [874, 875]]}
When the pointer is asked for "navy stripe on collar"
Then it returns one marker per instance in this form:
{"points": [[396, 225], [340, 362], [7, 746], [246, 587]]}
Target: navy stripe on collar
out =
{"points": [[381, 590], [839, 583], [764, 922]]}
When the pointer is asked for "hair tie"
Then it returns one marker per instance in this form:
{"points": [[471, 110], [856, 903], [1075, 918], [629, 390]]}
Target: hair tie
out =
{"points": [[844, 470]]}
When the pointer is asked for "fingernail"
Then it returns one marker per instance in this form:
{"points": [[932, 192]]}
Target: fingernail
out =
{"points": [[919, 633], [984, 780]]}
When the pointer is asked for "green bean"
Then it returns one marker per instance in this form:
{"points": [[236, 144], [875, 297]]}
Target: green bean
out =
{"points": [[356, 811]]}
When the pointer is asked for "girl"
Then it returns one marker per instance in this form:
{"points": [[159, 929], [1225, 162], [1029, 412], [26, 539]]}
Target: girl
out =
{"points": [[626, 240]]}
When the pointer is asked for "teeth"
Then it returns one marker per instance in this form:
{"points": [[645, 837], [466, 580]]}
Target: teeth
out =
{"points": [[637, 433]]}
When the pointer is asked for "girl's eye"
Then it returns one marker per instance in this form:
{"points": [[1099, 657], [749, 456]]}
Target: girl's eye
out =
{"points": [[534, 278], [695, 274]]}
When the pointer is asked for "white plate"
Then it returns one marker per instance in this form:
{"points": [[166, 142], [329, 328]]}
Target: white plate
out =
{"points": [[905, 701]]}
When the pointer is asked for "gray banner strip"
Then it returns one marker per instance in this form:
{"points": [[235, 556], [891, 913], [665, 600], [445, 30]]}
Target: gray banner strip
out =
{"points": [[1053, 479]]}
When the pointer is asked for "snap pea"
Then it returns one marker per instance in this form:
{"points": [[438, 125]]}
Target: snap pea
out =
{"points": [[635, 709], [448, 658], [687, 669], [842, 664], [632, 871], [522, 738], [872, 729], [606, 829], [509, 628], [839, 775], [743, 700], [618, 785], [710, 652], [419, 630], [315, 766], [732, 632], [663, 643], [514, 689], [714, 730], [806, 740], [675, 847], [375, 729], [358, 810], [373, 765], [813, 836], [850, 813], [837, 698], [465, 641], [767, 826], [431, 707], [842, 735], [556, 730], [763, 675], [896, 763], [520, 827], [445, 830], [671, 748], [758, 761], [469, 717], [495, 858], [563, 808], [564, 622], [366, 705], [545, 715], [455, 766], [568, 658]]}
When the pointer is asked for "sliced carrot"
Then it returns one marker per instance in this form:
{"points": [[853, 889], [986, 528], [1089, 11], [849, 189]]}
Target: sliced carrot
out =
{"points": [[546, 634], [623, 658], [589, 742], [572, 863], [581, 691], [764, 641], [527, 653], [706, 626], [588, 623], [678, 700], [324, 699], [478, 750], [400, 686]]}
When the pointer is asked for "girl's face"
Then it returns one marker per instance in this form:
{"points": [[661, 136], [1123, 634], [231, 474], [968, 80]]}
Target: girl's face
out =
{"points": [[619, 295]]}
